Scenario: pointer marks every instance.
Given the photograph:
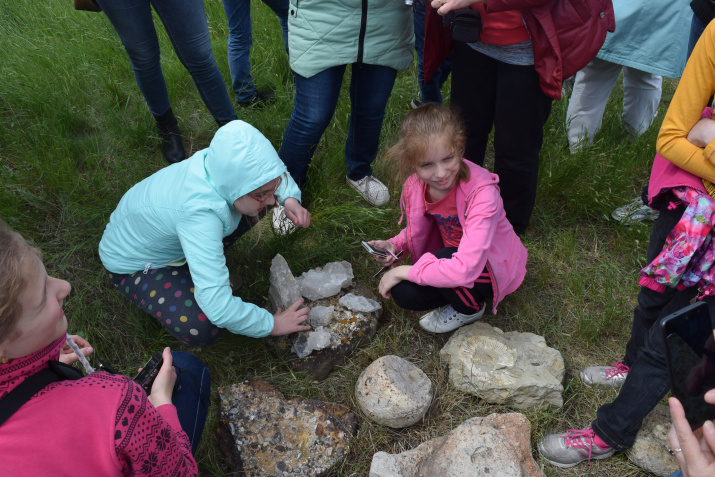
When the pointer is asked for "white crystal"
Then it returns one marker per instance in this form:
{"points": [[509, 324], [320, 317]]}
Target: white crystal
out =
{"points": [[321, 315], [311, 341], [284, 289], [359, 303], [327, 281]]}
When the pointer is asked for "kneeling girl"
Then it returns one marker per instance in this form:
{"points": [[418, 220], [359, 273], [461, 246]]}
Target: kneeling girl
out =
{"points": [[464, 250]]}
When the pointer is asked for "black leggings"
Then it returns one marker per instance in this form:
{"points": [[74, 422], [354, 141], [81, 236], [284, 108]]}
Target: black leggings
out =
{"points": [[167, 294], [467, 301]]}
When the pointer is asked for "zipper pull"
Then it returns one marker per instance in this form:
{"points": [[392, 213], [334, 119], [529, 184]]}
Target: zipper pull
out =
{"points": [[146, 269]]}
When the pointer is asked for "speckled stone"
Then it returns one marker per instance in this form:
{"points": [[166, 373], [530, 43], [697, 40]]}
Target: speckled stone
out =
{"points": [[263, 434], [650, 449]]}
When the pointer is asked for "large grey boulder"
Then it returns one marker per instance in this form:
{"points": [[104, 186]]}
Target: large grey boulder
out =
{"points": [[511, 369], [263, 434], [394, 392], [496, 445], [650, 450]]}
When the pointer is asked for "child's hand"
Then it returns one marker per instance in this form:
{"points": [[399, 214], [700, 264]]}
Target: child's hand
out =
{"points": [[296, 212], [387, 261], [702, 133], [289, 321], [392, 278], [163, 387], [68, 356]]}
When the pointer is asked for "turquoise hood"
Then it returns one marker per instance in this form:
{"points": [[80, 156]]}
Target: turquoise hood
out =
{"points": [[184, 211]]}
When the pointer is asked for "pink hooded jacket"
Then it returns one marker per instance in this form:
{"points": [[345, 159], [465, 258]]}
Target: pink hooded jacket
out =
{"points": [[488, 238], [102, 424]]}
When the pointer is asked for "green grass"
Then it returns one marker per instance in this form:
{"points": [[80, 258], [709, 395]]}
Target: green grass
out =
{"points": [[76, 134]]}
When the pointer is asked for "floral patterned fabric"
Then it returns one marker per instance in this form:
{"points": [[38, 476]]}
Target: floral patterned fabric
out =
{"points": [[688, 254]]}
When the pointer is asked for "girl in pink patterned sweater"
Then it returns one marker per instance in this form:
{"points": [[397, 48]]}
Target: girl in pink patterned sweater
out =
{"points": [[101, 424]]}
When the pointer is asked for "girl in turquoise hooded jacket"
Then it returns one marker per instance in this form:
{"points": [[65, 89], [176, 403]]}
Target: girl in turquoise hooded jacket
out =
{"points": [[164, 244]]}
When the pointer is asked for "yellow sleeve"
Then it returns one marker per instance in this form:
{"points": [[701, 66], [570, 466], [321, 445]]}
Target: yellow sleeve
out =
{"points": [[694, 91]]}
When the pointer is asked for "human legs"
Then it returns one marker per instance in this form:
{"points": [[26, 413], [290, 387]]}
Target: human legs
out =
{"points": [[192, 394], [474, 80], [411, 296], [370, 88], [238, 13], [591, 90], [280, 8], [314, 104], [697, 26], [167, 295], [490, 93], [641, 96], [185, 22], [430, 91], [521, 112], [133, 23]]}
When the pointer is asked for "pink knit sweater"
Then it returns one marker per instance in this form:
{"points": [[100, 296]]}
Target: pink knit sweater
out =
{"points": [[101, 424]]}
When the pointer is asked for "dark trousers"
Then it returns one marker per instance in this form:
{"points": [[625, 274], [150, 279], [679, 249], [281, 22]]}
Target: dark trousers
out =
{"points": [[489, 93], [618, 422], [467, 301]]}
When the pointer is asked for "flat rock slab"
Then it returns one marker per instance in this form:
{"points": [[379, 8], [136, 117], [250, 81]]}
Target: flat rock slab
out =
{"points": [[394, 392], [511, 369], [265, 435], [496, 445], [650, 450], [349, 329]]}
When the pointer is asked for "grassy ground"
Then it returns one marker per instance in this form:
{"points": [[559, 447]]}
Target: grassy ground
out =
{"points": [[76, 134]]}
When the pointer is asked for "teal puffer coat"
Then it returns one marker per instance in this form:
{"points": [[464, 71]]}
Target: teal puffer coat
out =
{"points": [[184, 211], [323, 34]]}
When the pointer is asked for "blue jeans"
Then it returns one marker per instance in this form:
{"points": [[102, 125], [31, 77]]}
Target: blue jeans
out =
{"points": [[431, 91], [192, 393], [238, 13], [185, 22], [315, 101], [618, 422], [696, 29]]}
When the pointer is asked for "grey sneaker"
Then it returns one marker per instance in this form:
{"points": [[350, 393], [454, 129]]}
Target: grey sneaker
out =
{"points": [[371, 189], [446, 319], [281, 224], [573, 447], [612, 376], [633, 212], [415, 103]]}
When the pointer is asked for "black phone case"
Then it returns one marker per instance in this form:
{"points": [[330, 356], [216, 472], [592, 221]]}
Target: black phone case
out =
{"points": [[146, 376], [682, 323]]}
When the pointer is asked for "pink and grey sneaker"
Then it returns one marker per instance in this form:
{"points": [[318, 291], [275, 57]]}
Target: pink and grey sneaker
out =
{"points": [[612, 376], [573, 447]]}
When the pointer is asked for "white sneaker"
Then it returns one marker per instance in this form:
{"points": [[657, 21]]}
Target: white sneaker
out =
{"points": [[371, 189], [282, 224], [446, 319]]}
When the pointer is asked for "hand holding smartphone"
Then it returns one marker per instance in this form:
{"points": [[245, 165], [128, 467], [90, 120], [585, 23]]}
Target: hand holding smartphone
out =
{"points": [[379, 251], [690, 351], [146, 376]]}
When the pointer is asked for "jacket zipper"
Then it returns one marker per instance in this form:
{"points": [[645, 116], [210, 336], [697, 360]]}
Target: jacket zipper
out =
{"points": [[363, 28], [147, 267]]}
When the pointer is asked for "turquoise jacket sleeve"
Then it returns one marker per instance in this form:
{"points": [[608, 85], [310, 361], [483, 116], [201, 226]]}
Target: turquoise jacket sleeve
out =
{"points": [[201, 236], [288, 189]]}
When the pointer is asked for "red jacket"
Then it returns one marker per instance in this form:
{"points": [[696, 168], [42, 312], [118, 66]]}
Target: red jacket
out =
{"points": [[565, 35]]}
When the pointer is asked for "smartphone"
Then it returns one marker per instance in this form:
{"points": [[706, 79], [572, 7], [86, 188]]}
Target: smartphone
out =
{"points": [[378, 251], [146, 376], [690, 351]]}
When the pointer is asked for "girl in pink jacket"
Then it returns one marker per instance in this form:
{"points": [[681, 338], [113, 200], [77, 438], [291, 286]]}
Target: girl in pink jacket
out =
{"points": [[464, 250]]}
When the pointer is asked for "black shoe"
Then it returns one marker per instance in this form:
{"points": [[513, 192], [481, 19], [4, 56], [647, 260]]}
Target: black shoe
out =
{"points": [[261, 99], [170, 134]]}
